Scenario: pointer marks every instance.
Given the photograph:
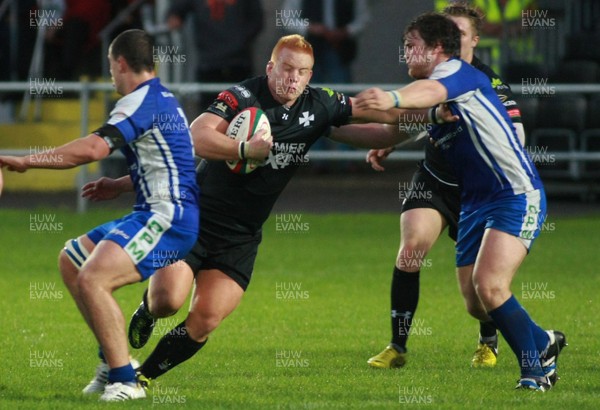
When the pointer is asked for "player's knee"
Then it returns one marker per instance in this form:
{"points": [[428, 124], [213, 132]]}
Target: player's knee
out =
{"points": [[163, 304], [200, 325], [85, 283], [488, 292], [411, 255]]}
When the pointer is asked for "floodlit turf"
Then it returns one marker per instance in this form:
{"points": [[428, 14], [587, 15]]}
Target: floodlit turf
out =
{"points": [[316, 310]]}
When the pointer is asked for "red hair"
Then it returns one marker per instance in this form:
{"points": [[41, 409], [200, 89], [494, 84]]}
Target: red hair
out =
{"points": [[293, 42]]}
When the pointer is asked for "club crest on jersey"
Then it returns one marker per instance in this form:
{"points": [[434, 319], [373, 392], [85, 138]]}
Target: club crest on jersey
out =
{"points": [[306, 118]]}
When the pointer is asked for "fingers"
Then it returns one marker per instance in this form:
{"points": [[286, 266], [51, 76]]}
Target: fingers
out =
{"points": [[374, 157], [374, 99]]}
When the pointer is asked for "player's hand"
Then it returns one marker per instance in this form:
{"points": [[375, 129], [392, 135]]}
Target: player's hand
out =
{"points": [[376, 156], [374, 99], [259, 146], [101, 190], [443, 114], [17, 164]]}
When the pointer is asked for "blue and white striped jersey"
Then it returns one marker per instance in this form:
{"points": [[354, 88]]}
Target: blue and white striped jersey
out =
{"points": [[150, 128], [482, 147]]}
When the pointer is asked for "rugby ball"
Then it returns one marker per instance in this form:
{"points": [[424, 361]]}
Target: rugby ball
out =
{"points": [[241, 128]]}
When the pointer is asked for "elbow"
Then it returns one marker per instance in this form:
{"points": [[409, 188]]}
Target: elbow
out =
{"points": [[94, 152]]}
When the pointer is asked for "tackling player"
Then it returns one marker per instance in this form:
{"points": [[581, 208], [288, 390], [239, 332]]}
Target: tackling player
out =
{"points": [[502, 197], [424, 217], [149, 127]]}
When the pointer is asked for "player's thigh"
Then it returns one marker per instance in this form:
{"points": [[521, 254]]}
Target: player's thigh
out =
{"points": [[108, 267], [498, 259], [216, 295], [169, 287], [421, 227]]}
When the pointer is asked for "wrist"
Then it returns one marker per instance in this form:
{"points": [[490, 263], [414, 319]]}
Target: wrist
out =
{"points": [[433, 117], [395, 98], [243, 149]]}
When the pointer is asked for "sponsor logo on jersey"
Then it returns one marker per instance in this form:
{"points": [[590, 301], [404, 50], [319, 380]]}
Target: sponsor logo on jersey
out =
{"points": [[221, 106], [286, 153], [228, 99], [329, 91], [242, 90]]}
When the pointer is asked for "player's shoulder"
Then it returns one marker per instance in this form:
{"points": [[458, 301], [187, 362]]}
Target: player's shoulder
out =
{"points": [[326, 96], [497, 83], [130, 105], [451, 67], [237, 97]]}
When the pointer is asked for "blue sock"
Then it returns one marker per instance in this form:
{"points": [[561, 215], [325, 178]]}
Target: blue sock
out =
{"points": [[101, 354], [123, 374], [516, 326]]}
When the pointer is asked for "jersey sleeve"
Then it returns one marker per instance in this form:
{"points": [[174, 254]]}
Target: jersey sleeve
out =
{"points": [[231, 101], [337, 105], [130, 119], [112, 136], [456, 78]]}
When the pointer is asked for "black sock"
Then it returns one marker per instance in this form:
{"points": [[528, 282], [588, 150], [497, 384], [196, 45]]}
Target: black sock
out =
{"points": [[146, 308], [405, 297], [487, 331], [175, 347]]}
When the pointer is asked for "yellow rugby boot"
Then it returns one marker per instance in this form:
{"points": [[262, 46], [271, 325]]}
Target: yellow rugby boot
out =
{"points": [[390, 358], [484, 356]]}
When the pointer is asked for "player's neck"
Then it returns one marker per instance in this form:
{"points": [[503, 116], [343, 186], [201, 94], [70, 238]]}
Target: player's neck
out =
{"points": [[135, 79]]}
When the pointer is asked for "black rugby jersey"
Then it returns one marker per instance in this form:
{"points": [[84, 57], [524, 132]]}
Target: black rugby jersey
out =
{"points": [[241, 203], [434, 160]]}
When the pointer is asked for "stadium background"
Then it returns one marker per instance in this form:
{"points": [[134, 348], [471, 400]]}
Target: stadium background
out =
{"points": [[556, 82], [345, 259]]}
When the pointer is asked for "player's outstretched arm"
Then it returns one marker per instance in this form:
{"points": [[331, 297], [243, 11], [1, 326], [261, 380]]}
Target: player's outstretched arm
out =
{"points": [[210, 141], [106, 188], [77, 152], [418, 94]]}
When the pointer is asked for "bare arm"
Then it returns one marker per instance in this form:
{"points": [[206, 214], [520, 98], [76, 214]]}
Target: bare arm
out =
{"points": [[418, 94], [210, 141], [368, 135], [77, 152]]}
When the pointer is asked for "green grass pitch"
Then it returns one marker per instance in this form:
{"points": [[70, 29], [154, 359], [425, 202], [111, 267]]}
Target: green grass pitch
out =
{"points": [[317, 309]]}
